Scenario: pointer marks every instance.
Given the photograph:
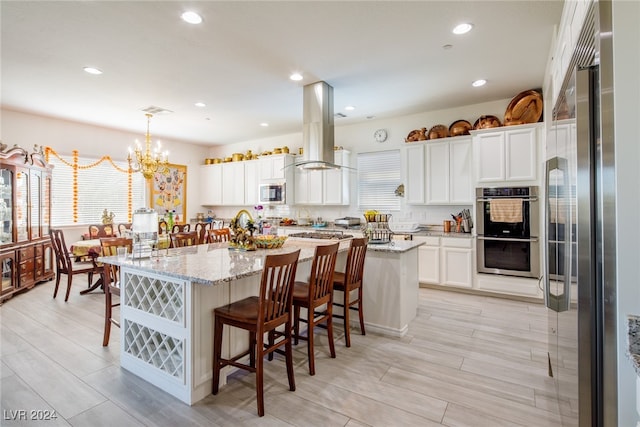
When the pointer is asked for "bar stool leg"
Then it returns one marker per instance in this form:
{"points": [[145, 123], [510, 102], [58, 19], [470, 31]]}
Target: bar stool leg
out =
{"points": [[217, 351]]}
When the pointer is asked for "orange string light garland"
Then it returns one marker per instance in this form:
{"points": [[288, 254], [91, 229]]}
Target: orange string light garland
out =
{"points": [[76, 167]]}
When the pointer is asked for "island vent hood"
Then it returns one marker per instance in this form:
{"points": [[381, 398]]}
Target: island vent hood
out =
{"points": [[317, 131]]}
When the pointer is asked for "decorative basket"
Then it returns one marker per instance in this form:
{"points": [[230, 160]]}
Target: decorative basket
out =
{"points": [[269, 241]]}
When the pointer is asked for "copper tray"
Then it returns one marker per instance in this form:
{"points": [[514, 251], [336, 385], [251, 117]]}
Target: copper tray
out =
{"points": [[460, 127], [486, 122], [525, 107], [438, 131]]}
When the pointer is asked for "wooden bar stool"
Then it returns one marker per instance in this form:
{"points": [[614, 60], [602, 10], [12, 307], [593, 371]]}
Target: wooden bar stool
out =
{"points": [[260, 315], [218, 235], [349, 281], [111, 280], [317, 293]]}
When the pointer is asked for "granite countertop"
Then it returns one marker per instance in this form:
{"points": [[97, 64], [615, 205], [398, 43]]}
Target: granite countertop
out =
{"points": [[395, 246], [425, 230], [633, 349]]}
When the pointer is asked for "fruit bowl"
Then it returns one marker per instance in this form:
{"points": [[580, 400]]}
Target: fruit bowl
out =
{"points": [[270, 241]]}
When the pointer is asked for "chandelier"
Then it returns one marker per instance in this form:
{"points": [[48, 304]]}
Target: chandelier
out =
{"points": [[148, 162]]}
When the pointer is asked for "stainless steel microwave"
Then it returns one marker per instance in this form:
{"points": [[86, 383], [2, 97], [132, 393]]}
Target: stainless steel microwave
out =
{"points": [[272, 193]]}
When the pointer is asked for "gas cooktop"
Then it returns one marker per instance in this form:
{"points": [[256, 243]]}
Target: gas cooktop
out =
{"points": [[319, 235]]}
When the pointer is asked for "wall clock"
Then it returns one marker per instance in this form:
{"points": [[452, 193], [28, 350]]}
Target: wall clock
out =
{"points": [[380, 135]]}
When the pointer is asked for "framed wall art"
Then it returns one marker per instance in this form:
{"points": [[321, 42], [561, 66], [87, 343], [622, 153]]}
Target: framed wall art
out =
{"points": [[168, 192]]}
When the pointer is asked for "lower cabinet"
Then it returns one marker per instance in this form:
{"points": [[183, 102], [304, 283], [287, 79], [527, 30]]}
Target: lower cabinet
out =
{"points": [[445, 261], [25, 265]]}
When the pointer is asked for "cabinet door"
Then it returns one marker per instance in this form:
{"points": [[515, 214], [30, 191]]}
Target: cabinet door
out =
{"points": [[302, 187], [35, 193], [46, 204], [211, 185], [251, 181], [415, 178], [233, 183], [490, 163], [460, 182], [315, 187], [47, 260], [22, 205], [8, 262], [520, 152], [457, 266], [437, 172], [6, 205], [333, 187], [429, 264]]}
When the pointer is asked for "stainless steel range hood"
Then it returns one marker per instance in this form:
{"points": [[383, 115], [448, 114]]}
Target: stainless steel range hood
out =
{"points": [[317, 131]]}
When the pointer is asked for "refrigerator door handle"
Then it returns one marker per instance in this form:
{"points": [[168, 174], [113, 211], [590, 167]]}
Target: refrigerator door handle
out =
{"points": [[558, 302]]}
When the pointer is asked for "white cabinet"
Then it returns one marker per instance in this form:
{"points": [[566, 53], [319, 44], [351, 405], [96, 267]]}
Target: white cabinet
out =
{"points": [[233, 183], [276, 167], [445, 261], [251, 182], [324, 187], [456, 261], [211, 185], [428, 259], [507, 154], [448, 172], [439, 172], [415, 163]]}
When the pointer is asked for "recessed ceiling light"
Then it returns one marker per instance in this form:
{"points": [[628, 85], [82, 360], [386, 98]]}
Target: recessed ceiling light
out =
{"points": [[191, 17], [462, 28], [296, 77], [349, 108], [264, 124], [478, 83], [200, 104], [92, 70]]}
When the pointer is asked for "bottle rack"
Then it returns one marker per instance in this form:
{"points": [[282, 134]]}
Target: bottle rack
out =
{"points": [[376, 228]]}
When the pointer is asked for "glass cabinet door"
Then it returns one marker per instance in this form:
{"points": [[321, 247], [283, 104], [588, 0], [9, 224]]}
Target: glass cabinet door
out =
{"points": [[22, 205], [36, 184], [8, 265], [6, 206], [46, 207]]}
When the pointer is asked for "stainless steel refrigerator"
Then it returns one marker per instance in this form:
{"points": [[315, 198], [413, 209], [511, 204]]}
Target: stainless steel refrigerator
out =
{"points": [[580, 232]]}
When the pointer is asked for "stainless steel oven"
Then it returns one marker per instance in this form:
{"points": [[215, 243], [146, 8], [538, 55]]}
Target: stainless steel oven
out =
{"points": [[508, 227]]}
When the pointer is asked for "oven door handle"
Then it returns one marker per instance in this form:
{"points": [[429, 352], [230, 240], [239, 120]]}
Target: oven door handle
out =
{"points": [[508, 239]]}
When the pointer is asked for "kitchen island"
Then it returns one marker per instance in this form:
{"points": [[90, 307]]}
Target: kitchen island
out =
{"points": [[166, 334]]}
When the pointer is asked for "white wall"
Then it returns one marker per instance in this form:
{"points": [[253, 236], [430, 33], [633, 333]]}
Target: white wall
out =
{"points": [[626, 39], [63, 136], [358, 138]]}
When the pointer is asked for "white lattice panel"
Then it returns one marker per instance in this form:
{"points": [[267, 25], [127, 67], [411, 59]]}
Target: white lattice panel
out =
{"points": [[155, 348], [159, 297]]}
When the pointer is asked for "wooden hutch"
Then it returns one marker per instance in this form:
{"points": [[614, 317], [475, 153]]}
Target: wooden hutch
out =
{"points": [[26, 254]]}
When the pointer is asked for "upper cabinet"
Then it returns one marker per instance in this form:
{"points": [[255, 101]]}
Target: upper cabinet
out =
{"points": [[438, 172], [211, 185], [507, 154], [277, 167], [325, 187]]}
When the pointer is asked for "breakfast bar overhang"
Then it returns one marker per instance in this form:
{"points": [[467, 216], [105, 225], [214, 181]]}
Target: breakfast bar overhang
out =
{"points": [[166, 333]]}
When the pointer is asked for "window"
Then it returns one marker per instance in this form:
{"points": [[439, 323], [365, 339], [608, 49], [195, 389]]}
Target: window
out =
{"points": [[378, 178], [100, 187]]}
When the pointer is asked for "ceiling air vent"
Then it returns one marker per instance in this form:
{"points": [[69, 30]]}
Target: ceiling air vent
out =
{"points": [[151, 109], [340, 115]]}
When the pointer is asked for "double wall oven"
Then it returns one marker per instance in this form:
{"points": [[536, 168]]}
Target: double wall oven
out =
{"points": [[508, 222]]}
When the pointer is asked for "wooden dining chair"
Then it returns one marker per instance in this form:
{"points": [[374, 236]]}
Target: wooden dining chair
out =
{"points": [[351, 280], [123, 228], [111, 280], [66, 265], [202, 228], [260, 314], [218, 235], [180, 228], [162, 227], [185, 238], [101, 230], [316, 296]]}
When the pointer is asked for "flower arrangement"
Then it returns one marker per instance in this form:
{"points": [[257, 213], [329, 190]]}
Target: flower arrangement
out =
{"points": [[242, 238]]}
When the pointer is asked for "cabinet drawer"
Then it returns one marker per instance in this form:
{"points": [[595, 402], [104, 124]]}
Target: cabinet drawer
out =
{"points": [[38, 250], [38, 266], [26, 266], [457, 242], [428, 240], [25, 253]]}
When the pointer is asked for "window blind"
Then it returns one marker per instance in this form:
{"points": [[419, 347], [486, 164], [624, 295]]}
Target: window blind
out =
{"points": [[100, 187], [378, 178]]}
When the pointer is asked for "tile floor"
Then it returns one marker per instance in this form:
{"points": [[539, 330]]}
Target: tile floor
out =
{"points": [[466, 361]]}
